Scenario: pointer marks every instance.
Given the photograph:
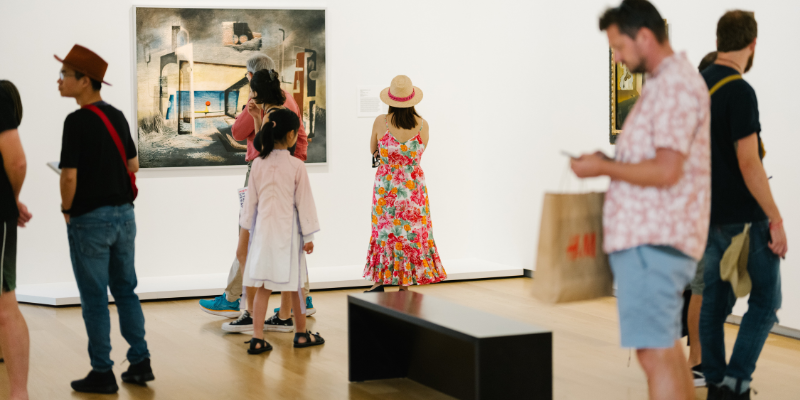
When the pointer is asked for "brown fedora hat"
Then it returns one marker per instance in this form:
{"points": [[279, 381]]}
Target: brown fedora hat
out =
{"points": [[401, 94], [86, 62]]}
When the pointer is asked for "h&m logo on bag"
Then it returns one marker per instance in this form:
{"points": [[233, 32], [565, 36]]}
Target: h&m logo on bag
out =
{"points": [[582, 246]]}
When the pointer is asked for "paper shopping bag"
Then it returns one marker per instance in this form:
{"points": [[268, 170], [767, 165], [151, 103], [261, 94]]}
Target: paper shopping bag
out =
{"points": [[571, 264]]}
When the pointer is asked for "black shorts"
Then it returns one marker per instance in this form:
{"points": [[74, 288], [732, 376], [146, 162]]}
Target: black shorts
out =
{"points": [[8, 256]]}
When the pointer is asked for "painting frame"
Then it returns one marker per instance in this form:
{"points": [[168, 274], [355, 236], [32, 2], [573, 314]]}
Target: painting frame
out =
{"points": [[613, 130], [136, 93]]}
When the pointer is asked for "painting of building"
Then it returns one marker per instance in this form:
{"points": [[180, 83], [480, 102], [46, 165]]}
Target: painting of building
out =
{"points": [[191, 79]]}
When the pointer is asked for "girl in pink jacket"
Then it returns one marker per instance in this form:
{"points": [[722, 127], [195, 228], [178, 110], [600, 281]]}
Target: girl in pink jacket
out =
{"points": [[280, 214]]}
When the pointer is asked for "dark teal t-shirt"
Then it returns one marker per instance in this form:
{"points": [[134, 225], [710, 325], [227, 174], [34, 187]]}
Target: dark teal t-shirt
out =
{"points": [[734, 116]]}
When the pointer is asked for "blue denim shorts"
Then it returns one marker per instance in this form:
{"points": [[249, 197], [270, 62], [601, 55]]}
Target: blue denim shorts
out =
{"points": [[650, 282]]}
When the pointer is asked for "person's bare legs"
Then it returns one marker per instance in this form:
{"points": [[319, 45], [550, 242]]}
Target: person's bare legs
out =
{"points": [[287, 305], [259, 311], [250, 296], [404, 288], [693, 320], [299, 318], [668, 376], [15, 342]]}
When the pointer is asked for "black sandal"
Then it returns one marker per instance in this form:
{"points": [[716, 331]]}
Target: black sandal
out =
{"points": [[378, 289], [264, 346], [308, 343]]}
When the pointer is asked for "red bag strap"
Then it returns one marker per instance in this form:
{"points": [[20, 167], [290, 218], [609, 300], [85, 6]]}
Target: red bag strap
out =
{"points": [[114, 135]]}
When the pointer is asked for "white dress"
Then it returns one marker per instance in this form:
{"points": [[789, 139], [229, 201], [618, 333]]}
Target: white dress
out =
{"points": [[280, 214]]}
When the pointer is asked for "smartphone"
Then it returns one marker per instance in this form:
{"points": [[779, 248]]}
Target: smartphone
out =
{"points": [[568, 154]]}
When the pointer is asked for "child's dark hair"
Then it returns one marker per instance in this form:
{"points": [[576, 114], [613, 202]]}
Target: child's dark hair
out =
{"points": [[267, 87], [276, 129]]}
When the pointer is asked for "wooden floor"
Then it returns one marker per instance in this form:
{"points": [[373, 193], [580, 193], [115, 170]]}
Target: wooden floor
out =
{"points": [[194, 359]]}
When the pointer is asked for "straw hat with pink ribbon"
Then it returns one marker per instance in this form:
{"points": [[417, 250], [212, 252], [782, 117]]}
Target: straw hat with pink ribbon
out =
{"points": [[401, 94]]}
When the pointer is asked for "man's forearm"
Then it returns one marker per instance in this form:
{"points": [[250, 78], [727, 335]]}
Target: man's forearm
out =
{"points": [[68, 185], [645, 173], [755, 178], [16, 171]]}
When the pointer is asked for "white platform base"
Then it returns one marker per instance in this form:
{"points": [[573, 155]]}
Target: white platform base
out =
{"points": [[168, 287]]}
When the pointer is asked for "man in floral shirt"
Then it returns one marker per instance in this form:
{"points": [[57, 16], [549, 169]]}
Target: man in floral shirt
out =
{"points": [[657, 208]]}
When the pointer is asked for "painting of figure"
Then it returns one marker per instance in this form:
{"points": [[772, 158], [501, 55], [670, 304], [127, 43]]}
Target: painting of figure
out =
{"points": [[191, 80], [626, 87]]}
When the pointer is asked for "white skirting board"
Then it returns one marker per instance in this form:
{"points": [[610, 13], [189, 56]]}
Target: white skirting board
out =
{"points": [[732, 319], [776, 329], [168, 287]]}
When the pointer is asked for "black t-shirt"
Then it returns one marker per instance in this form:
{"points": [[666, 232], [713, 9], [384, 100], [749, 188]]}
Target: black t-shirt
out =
{"points": [[8, 121], [734, 116], [87, 145]]}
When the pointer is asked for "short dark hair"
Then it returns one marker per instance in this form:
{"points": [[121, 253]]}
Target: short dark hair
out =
{"points": [[736, 30], [706, 62], [267, 87], [16, 102], [403, 117], [633, 15], [96, 85]]}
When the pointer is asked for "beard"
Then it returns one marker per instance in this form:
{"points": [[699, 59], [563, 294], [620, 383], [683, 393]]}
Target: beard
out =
{"points": [[637, 66], [749, 62]]}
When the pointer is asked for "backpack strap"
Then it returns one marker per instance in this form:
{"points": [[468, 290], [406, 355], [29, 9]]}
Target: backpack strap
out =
{"points": [[723, 82], [118, 142]]}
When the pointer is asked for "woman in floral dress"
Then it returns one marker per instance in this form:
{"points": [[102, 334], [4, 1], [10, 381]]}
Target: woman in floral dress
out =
{"points": [[401, 248]]}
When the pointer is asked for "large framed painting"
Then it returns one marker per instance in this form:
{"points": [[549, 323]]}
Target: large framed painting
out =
{"points": [[191, 81], [625, 89]]}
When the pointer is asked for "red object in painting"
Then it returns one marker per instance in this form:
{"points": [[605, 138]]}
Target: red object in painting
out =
{"points": [[208, 103]]}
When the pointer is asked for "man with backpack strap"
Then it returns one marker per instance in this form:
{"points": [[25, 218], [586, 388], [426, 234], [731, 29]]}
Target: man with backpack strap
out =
{"points": [[98, 160], [740, 196]]}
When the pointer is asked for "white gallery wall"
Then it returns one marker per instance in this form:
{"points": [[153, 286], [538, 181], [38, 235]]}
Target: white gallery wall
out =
{"points": [[507, 85]]}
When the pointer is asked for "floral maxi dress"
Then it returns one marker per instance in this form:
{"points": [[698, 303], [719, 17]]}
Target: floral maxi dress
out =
{"points": [[401, 249]]}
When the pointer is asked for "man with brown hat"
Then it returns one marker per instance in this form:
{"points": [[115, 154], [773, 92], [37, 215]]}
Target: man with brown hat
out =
{"points": [[98, 159]]}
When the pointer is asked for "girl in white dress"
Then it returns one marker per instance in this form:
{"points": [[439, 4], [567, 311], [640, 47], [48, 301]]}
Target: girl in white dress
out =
{"points": [[280, 214]]}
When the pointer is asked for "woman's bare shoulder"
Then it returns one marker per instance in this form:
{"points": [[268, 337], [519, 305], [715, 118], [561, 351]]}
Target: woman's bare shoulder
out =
{"points": [[380, 120]]}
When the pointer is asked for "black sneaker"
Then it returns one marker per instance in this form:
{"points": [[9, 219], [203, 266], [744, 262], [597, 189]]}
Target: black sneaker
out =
{"points": [[275, 324], [726, 393], [139, 373], [713, 391], [97, 382], [243, 324], [697, 375]]}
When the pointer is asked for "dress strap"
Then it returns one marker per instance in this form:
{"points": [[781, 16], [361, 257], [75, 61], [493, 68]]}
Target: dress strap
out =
{"points": [[386, 122], [421, 125]]}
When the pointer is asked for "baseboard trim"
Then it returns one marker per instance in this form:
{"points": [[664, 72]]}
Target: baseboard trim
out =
{"points": [[528, 273], [776, 329], [320, 278]]}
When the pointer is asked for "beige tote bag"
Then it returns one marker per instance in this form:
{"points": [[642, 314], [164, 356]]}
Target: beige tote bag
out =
{"points": [[571, 264]]}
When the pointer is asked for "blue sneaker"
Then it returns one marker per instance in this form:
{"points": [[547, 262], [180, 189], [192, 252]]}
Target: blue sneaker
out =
{"points": [[221, 306], [310, 310]]}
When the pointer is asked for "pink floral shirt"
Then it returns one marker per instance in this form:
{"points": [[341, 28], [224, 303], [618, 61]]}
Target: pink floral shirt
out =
{"points": [[672, 113]]}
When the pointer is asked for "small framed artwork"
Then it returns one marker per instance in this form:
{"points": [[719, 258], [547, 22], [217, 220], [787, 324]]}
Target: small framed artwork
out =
{"points": [[626, 87], [624, 90]]}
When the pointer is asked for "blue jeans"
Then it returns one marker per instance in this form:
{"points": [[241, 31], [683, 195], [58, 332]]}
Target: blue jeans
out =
{"points": [[101, 245], [718, 300]]}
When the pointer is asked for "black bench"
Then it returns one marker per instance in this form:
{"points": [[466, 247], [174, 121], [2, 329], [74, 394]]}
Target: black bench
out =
{"points": [[460, 351]]}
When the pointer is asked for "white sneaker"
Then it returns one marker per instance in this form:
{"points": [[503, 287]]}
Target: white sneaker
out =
{"points": [[243, 324]]}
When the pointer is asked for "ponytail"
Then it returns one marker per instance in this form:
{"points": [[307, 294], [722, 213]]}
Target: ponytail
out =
{"points": [[276, 129]]}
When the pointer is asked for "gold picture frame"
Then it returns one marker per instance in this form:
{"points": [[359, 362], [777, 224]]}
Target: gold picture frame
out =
{"points": [[625, 88]]}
